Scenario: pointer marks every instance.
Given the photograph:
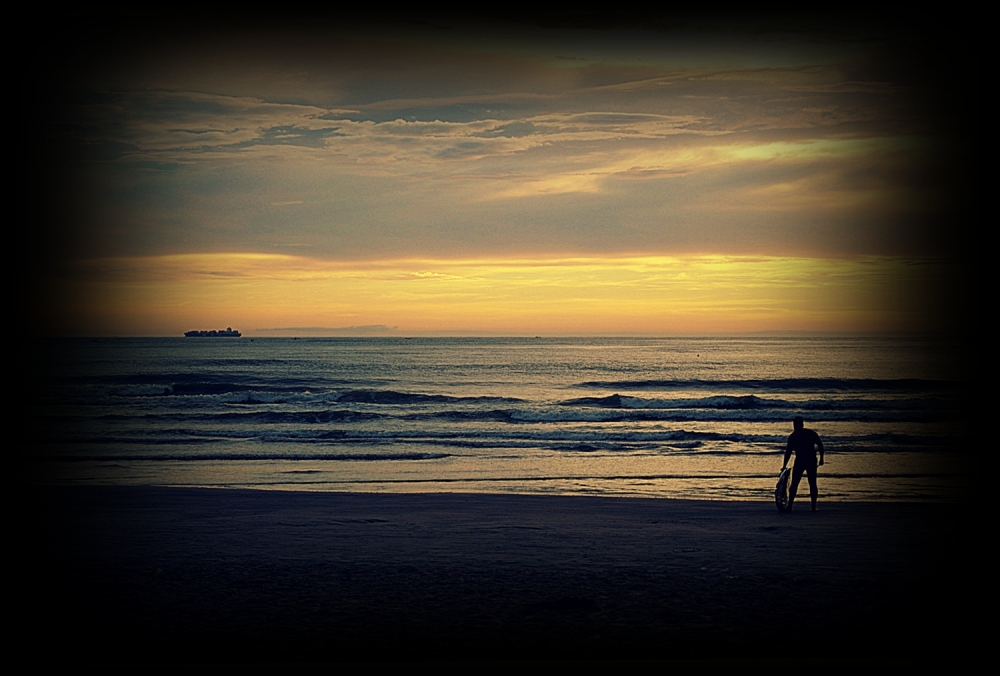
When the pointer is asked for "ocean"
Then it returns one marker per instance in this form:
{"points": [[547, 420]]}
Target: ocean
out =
{"points": [[685, 418]]}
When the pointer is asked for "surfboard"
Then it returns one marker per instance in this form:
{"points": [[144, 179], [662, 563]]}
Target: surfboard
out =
{"points": [[781, 490]]}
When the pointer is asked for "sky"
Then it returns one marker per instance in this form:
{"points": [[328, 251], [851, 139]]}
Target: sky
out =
{"points": [[589, 174]]}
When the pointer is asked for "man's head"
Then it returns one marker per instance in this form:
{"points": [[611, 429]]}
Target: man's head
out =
{"points": [[797, 422]]}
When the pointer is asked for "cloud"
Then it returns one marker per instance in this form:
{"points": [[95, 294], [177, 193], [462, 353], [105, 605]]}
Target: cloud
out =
{"points": [[385, 144]]}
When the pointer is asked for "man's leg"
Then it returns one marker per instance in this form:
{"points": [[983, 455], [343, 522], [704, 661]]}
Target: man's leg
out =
{"points": [[813, 491], [796, 478]]}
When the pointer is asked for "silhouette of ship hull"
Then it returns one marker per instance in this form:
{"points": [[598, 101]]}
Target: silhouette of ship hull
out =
{"points": [[228, 333]]}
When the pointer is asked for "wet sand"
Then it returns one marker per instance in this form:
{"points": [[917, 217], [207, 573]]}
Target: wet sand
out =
{"points": [[148, 575]]}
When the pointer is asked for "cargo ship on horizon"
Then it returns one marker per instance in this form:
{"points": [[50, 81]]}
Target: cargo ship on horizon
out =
{"points": [[228, 333]]}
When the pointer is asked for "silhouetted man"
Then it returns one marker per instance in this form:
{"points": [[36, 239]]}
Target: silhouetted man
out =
{"points": [[804, 442]]}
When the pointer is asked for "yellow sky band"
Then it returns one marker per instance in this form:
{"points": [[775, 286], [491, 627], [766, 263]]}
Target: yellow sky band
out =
{"points": [[657, 295]]}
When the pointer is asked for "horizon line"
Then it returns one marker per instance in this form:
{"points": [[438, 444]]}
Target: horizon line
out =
{"points": [[321, 332]]}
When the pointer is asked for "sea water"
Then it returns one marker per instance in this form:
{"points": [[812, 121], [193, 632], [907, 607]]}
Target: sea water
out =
{"points": [[676, 417]]}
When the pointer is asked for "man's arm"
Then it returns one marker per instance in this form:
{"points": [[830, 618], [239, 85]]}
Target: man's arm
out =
{"points": [[819, 443], [788, 453]]}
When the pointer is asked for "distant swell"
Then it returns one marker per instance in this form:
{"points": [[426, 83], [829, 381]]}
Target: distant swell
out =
{"points": [[404, 398], [209, 388], [722, 402], [782, 384]]}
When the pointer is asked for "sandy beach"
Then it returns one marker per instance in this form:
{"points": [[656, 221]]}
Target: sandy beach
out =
{"points": [[141, 574]]}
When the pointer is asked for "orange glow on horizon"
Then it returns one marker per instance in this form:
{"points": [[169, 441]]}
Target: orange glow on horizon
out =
{"points": [[654, 295]]}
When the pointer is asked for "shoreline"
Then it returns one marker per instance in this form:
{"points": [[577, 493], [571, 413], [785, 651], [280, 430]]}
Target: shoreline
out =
{"points": [[937, 495], [247, 575]]}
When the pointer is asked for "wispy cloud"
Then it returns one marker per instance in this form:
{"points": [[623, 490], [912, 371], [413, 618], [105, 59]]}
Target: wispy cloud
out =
{"points": [[530, 151]]}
